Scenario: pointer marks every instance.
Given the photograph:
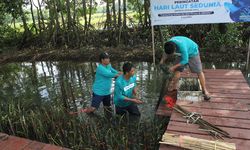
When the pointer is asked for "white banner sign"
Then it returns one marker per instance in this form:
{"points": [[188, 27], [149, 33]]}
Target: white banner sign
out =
{"points": [[167, 12]]}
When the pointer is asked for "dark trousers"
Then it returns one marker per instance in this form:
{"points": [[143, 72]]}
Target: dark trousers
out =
{"points": [[131, 109]]}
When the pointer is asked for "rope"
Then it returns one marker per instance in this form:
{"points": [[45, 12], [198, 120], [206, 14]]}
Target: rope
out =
{"points": [[193, 117]]}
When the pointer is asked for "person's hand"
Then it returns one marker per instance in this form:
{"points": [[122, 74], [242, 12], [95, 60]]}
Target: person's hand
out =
{"points": [[172, 69], [120, 73], [137, 101]]}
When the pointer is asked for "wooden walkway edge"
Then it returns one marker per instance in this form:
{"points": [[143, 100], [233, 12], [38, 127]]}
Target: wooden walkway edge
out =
{"points": [[228, 109], [8, 142]]}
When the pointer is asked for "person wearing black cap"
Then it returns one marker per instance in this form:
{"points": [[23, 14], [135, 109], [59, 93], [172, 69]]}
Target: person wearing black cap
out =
{"points": [[102, 84]]}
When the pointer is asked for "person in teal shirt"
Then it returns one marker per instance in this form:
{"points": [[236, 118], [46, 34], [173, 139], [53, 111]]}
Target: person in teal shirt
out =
{"points": [[102, 85], [188, 52], [125, 92]]}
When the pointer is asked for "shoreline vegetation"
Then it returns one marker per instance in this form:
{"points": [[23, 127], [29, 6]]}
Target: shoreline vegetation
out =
{"points": [[89, 54]]}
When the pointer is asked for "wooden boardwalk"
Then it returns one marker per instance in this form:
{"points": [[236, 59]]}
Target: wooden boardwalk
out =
{"points": [[228, 109], [8, 142]]}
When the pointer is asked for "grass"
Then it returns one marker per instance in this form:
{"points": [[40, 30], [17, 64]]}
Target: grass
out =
{"points": [[53, 125]]}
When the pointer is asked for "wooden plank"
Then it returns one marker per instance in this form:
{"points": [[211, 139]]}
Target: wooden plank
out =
{"points": [[220, 113], [223, 122], [34, 145], [232, 91], [226, 83], [163, 111], [51, 147], [210, 105], [17, 143], [229, 100], [209, 80], [229, 95], [193, 128], [14, 143], [228, 108], [228, 87]]}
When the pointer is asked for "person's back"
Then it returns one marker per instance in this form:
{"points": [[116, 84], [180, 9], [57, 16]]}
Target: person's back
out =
{"points": [[185, 45], [103, 79]]}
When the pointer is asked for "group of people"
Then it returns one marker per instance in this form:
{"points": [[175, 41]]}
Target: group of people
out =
{"points": [[125, 91]]}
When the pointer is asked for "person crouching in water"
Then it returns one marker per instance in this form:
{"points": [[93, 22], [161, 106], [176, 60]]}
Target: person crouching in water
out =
{"points": [[125, 92]]}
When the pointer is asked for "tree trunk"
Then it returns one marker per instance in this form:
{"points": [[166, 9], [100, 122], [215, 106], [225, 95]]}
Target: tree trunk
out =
{"points": [[32, 14], [61, 13], [74, 12], [69, 23], [108, 21], [139, 11], [25, 26], [119, 14], [38, 18], [114, 13], [146, 14], [85, 15], [41, 13], [124, 14], [90, 13]]}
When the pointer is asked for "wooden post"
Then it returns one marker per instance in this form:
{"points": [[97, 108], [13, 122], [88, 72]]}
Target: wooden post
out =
{"points": [[248, 55], [153, 44]]}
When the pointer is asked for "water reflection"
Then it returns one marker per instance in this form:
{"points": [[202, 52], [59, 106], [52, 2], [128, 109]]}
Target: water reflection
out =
{"points": [[70, 83]]}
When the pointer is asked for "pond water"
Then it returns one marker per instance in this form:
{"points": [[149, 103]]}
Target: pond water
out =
{"points": [[70, 83]]}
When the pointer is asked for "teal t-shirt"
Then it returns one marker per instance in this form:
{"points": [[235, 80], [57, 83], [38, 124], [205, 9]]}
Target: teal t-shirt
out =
{"points": [[186, 47], [124, 88], [103, 79]]}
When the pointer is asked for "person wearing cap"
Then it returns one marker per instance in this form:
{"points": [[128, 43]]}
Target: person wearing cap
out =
{"points": [[188, 54], [102, 85], [125, 92]]}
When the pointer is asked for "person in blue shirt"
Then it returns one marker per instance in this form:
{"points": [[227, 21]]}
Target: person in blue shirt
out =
{"points": [[125, 92], [102, 84], [188, 52]]}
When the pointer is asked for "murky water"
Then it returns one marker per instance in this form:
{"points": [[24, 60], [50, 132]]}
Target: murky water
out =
{"points": [[70, 83]]}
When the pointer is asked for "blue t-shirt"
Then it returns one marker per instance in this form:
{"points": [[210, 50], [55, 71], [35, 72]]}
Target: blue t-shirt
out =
{"points": [[186, 47], [103, 79], [124, 88]]}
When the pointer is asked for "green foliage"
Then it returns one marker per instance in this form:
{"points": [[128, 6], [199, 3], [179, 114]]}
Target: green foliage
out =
{"points": [[231, 39], [8, 36]]}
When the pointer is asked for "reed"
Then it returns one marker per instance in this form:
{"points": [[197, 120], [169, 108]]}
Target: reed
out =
{"points": [[53, 125]]}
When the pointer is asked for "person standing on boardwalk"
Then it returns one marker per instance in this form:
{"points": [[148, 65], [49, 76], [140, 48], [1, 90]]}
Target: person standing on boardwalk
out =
{"points": [[125, 92], [102, 85], [188, 52]]}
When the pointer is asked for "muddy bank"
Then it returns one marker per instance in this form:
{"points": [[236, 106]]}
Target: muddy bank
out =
{"points": [[86, 54]]}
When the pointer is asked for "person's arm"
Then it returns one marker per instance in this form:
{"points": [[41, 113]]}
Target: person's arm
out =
{"points": [[103, 71], [163, 58], [115, 71], [173, 68]]}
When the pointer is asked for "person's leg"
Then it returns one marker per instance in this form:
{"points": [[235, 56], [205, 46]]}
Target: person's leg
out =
{"points": [[134, 114], [107, 107], [196, 67], [96, 101], [201, 77], [121, 110], [133, 110]]}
